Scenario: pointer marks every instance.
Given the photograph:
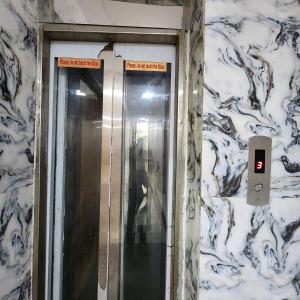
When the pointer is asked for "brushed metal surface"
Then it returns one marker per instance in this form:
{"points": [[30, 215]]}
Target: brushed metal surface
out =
{"points": [[94, 33], [258, 192], [107, 56], [40, 168], [115, 204], [69, 32], [180, 154]]}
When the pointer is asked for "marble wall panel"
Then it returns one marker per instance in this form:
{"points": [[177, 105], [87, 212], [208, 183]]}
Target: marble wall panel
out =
{"points": [[193, 203], [112, 13], [156, 2], [17, 112], [251, 87], [249, 252]]}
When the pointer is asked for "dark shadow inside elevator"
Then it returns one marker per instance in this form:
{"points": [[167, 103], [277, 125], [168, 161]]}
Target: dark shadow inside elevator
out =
{"points": [[82, 170], [145, 171]]}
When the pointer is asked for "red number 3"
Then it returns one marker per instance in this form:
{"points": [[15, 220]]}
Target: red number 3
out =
{"points": [[259, 165]]}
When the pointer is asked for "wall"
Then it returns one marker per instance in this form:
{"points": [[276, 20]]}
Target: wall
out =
{"points": [[160, 2], [17, 102], [251, 80], [18, 47], [192, 204], [106, 12], [251, 84]]}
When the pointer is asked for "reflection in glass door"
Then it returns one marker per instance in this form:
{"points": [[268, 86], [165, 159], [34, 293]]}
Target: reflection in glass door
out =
{"points": [[110, 221], [78, 170], [145, 165]]}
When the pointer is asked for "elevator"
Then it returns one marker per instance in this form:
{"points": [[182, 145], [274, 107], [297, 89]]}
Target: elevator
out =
{"points": [[111, 146]]}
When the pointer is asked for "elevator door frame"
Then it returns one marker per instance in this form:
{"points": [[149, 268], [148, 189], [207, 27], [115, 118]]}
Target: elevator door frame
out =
{"points": [[86, 33]]}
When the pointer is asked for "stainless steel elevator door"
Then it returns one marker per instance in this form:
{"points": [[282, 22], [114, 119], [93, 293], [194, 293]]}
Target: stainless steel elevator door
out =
{"points": [[110, 181]]}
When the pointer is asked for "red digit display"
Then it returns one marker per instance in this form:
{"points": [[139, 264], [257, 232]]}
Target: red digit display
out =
{"points": [[259, 166]]}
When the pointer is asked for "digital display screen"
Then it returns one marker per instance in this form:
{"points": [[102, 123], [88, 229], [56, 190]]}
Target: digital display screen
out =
{"points": [[259, 161]]}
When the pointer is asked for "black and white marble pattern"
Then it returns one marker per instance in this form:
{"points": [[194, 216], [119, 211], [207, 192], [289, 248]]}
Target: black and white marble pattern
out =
{"points": [[17, 112], [251, 87], [46, 12], [139, 13], [191, 234], [156, 2]]}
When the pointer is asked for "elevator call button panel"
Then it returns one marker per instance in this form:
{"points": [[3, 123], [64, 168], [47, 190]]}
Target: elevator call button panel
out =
{"points": [[259, 170]]}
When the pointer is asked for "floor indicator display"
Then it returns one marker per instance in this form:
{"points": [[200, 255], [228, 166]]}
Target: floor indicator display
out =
{"points": [[259, 170]]}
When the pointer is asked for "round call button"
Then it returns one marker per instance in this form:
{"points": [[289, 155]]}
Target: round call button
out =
{"points": [[258, 187]]}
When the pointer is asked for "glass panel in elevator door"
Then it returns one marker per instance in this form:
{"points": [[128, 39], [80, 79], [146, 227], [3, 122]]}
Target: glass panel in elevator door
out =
{"points": [[78, 170], [144, 179]]}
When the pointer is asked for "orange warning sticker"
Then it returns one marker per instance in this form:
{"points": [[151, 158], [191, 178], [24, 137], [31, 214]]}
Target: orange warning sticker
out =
{"points": [[145, 66], [69, 62]]}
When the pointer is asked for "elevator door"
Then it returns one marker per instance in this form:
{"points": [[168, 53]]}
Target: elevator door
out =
{"points": [[110, 177]]}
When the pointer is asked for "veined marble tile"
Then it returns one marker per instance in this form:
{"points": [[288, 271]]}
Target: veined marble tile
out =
{"points": [[17, 113], [156, 2], [46, 11], [112, 13], [249, 252], [193, 202], [251, 87]]}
